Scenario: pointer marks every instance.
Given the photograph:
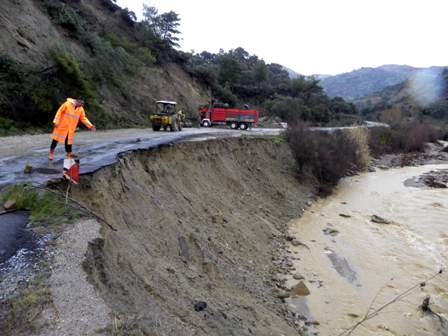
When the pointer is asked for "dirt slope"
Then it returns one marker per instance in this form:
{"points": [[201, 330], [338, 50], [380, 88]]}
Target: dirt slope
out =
{"points": [[197, 222]]}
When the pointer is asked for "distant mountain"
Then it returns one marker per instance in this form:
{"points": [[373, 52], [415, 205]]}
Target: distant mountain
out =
{"points": [[366, 81], [424, 93], [320, 77], [292, 74]]}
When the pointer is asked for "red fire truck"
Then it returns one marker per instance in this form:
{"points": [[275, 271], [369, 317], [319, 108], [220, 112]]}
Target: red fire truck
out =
{"points": [[235, 118]]}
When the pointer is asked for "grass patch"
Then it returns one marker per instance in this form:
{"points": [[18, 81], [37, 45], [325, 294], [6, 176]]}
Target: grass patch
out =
{"points": [[46, 208], [279, 139], [20, 314]]}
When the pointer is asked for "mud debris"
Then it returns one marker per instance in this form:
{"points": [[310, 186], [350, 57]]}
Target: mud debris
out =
{"points": [[330, 232], [379, 220]]}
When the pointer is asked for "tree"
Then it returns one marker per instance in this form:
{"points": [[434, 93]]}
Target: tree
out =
{"points": [[260, 72], [229, 70], [150, 15], [241, 54], [167, 28], [164, 26]]}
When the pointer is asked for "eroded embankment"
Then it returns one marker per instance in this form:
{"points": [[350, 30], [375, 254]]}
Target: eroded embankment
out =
{"points": [[196, 222]]}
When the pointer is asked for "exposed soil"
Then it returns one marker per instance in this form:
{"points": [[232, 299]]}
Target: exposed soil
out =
{"points": [[200, 227]]}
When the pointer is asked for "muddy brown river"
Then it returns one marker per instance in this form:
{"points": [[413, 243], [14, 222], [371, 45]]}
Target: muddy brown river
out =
{"points": [[350, 263]]}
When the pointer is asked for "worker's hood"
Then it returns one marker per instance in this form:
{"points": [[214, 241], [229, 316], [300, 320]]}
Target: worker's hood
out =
{"points": [[72, 101]]}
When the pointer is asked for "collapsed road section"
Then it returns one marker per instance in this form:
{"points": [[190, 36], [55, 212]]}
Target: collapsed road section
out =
{"points": [[198, 226]]}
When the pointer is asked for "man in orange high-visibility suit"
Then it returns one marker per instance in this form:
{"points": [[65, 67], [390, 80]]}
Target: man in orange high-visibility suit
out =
{"points": [[65, 123]]}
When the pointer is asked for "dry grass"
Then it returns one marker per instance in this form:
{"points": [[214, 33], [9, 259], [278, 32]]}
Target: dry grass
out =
{"points": [[20, 315], [360, 136]]}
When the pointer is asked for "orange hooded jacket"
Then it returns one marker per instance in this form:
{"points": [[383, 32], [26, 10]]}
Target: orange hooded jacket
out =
{"points": [[67, 119]]}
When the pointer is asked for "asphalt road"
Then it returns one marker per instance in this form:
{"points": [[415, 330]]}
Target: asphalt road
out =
{"points": [[95, 149]]}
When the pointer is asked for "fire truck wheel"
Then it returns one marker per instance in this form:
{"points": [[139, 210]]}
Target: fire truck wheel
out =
{"points": [[243, 126], [234, 125], [206, 124]]}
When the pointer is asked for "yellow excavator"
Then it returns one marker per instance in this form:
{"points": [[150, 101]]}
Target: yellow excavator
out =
{"points": [[167, 116]]}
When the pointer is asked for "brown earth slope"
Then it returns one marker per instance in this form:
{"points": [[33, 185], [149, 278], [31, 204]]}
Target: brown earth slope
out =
{"points": [[196, 222]]}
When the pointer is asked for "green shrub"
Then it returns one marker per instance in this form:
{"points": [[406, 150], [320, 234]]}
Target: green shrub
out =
{"points": [[327, 156], [131, 47], [123, 42], [403, 138], [145, 55], [71, 73], [7, 127], [46, 207], [68, 19], [25, 199]]}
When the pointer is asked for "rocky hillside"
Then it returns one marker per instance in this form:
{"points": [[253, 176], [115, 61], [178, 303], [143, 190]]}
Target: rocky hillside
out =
{"points": [[365, 81], [50, 50]]}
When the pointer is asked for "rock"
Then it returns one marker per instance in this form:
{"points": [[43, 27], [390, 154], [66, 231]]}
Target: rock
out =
{"points": [[433, 183], [28, 169], [315, 323], [10, 204], [371, 169], [296, 242], [444, 149], [344, 215], [200, 306], [298, 276], [383, 167], [184, 250], [282, 295], [300, 289], [289, 263], [331, 232], [379, 220]]}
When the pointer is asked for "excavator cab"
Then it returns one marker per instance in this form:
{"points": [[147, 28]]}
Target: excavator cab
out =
{"points": [[166, 116]]}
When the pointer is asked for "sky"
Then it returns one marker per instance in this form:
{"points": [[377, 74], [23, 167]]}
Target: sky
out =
{"points": [[315, 36]]}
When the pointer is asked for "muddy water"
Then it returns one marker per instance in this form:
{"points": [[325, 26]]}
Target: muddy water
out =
{"points": [[352, 263]]}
